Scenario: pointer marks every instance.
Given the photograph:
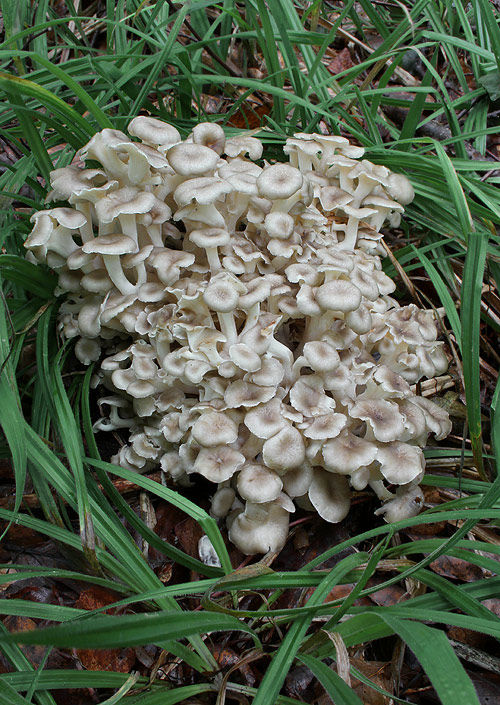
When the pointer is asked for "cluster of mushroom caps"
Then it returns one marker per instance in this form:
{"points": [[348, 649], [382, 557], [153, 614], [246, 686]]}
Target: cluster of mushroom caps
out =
{"points": [[247, 327]]}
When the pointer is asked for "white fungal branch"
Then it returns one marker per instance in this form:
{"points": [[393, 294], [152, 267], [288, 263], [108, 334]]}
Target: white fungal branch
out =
{"points": [[245, 324]]}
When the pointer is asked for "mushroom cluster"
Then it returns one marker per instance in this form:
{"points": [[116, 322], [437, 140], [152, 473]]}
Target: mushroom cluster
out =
{"points": [[246, 326]]}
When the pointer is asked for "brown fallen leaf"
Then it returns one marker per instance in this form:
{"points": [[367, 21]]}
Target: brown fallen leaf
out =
{"points": [[34, 653], [456, 568], [379, 672], [95, 597], [341, 62]]}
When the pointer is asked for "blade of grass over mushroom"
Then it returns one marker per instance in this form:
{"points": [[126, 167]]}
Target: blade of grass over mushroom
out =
{"points": [[470, 319], [208, 524], [444, 295], [121, 504], [62, 416]]}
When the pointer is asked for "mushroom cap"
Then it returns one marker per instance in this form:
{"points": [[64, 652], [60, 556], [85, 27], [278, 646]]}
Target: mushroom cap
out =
{"points": [[279, 225], [152, 130], [113, 244], [338, 295], [205, 190], [222, 501], [330, 495], [188, 159], [124, 201], [269, 533], [221, 295], [400, 463], [209, 134], [214, 429], [244, 357], [407, 503], [347, 453], [285, 450], [256, 483], [241, 393], [237, 146], [279, 181], [210, 237], [321, 356], [219, 463], [265, 420], [384, 417], [400, 188]]}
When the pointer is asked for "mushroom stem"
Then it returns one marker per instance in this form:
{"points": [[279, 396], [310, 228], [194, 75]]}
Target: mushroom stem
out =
{"points": [[117, 276], [129, 225], [86, 231], [228, 326]]}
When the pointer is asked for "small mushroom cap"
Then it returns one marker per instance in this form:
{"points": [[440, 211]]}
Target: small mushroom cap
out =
{"points": [[218, 464], [241, 393], [285, 450], [347, 453], [88, 350], [189, 159], [153, 130], [210, 237], [210, 135], [279, 225], [330, 495], [407, 503], [214, 429], [237, 146], [436, 418], [124, 201], [338, 295], [221, 295], [400, 189], [269, 533], [244, 357], [383, 416], [222, 502], [257, 483], [266, 419], [400, 463], [114, 244], [297, 481], [279, 181], [321, 356]]}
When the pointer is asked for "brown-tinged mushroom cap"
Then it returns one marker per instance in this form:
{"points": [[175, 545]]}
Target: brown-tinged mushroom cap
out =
{"points": [[347, 453], [214, 429], [279, 225], [279, 181], [258, 484], [153, 131], [436, 418], [384, 418], [338, 295], [323, 427], [218, 464], [330, 495], [209, 134], [407, 503], [245, 394], [222, 501], [321, 357], [266, 533], [399, 188], [400, 463], [266, 419], [188, 159], [238, 146], [285, 450]]}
